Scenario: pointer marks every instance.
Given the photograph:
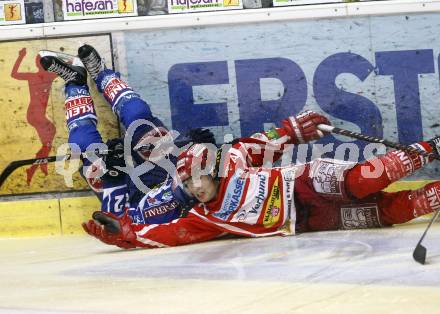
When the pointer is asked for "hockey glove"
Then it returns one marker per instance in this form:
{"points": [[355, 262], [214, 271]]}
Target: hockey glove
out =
{"points": [[200, 135], [115, 157], [303, 127], [435, 144], [111, 229]]}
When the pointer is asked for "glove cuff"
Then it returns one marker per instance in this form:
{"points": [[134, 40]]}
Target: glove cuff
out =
{"points": [[293, 130]]}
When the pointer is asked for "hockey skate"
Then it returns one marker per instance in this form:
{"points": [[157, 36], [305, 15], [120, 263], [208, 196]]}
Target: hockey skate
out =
{"points": [[68, 67], [92, 60]]}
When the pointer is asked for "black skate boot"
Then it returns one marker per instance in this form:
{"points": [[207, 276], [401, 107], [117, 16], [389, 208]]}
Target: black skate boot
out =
{"points": [[91, 60], [68, 67]]}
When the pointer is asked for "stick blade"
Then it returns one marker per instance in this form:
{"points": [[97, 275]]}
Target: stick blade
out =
{"points": [[419, 254]]}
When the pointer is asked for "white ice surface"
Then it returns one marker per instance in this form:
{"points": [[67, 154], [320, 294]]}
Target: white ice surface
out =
{"points": [[368, 271]]}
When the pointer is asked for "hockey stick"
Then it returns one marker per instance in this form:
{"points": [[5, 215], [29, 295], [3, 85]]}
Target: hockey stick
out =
{"points": [[372, 139], [39, 161], [19, 163], [419, 253]]}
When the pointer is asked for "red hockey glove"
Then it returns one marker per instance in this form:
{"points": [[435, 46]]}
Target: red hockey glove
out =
{"points": [[303, 127], [111, 229]]}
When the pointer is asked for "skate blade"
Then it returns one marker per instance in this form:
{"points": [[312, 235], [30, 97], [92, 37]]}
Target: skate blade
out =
{"points": [[69, 59]]}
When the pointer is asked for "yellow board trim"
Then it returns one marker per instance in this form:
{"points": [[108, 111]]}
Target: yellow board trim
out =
{"points": [[76, 210], [30, 218], [46, 217], [406, 185]]}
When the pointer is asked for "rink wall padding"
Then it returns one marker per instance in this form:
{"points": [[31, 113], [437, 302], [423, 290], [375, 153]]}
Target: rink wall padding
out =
{"points": [[46, 217], [63, 216], [32, 121]]}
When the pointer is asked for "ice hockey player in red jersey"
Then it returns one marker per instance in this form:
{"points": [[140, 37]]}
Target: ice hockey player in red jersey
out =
{"points": [[239, 194]]}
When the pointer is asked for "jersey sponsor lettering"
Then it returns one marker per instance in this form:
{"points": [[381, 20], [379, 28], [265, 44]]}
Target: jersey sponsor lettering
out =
{"points": [[392, 168], [79, 106], [424, 201], [158, 206], [399, 163], [433, 198], [113, 88], [288, 188], [160, 209], [421, 160], [232, 198], [272, 211], [406, 161], [360, 216], [261, 195], [256, 195]]}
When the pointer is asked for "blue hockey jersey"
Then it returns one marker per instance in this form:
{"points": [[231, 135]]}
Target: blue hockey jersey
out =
{"points": [[159, 205]]}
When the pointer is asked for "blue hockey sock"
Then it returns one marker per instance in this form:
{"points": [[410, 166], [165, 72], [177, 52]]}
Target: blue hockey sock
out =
{"points": [[115, 90], [79, 107]]}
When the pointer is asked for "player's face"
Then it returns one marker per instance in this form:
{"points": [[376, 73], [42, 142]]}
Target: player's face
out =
{"points": [[205, 189]]}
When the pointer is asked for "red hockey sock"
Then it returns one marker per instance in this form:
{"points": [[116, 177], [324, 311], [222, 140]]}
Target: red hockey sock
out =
{"points": [[403, 206], [376, 174]]}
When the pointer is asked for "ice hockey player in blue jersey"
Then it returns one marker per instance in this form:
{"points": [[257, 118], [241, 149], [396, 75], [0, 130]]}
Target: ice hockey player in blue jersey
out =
{"points": [[150, 197]]}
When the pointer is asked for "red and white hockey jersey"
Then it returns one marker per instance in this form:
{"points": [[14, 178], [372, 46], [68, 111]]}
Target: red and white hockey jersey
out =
{"points": [[257, 201], [252, 201]]}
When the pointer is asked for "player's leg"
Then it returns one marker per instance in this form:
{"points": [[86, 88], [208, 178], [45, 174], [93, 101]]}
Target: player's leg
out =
{"points": [[318, 192], [324, 206], [129, 108], [81, 122], [385, 209], [377, 210], [125, 103], [80, 112], [376, 174], [325, 202], [403, 206]]}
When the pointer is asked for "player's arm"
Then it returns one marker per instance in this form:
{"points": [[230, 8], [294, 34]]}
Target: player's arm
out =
{"points": [[268, 146], [296, 130], [123, 233]]}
